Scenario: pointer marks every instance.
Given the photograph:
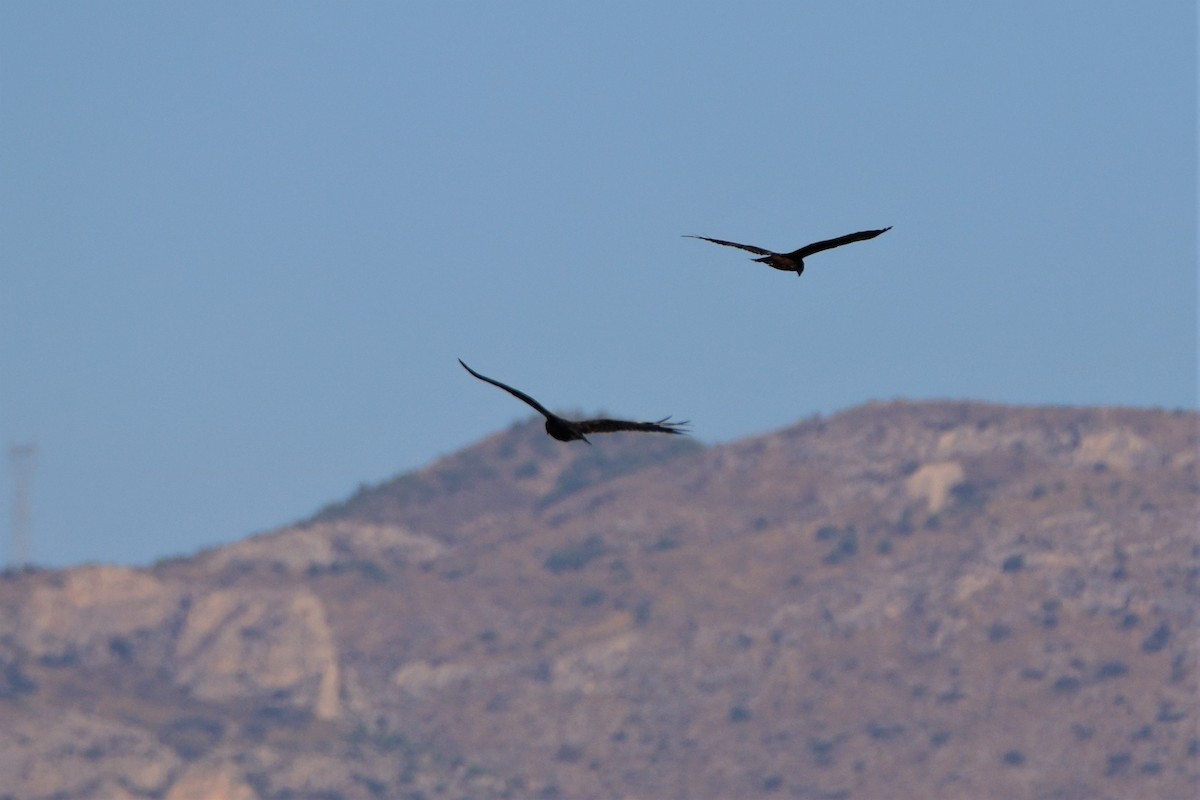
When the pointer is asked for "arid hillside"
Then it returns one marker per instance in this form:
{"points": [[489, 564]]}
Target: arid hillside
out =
{"points": [[905, 601]]}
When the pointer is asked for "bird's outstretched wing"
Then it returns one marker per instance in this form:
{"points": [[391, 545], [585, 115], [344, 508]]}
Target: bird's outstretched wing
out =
{"points": [[614, 425], [829, 244], [748, 247], [517, 393]]}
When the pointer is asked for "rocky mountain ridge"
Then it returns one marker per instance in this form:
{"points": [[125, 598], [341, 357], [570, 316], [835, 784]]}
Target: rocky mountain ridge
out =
{"points": [[903, 600]]}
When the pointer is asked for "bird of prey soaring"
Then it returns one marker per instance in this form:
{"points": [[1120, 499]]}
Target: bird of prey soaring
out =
{"points": [[794, 261], [566, 430]]}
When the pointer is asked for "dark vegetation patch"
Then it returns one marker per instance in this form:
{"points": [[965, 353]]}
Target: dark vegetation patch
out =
{"points": [[192, 737], [14, 682], [846, 543], [998, 632], [604, 464], [1014, 563], [577, 556], [1158, 640], [739, 714]]}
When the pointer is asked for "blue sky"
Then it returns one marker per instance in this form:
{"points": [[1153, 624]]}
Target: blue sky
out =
{"points": [[243, 244]]}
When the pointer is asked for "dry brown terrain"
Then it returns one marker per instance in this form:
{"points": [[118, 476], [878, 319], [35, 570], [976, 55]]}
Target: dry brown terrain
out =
{"points": [[904, 601]]}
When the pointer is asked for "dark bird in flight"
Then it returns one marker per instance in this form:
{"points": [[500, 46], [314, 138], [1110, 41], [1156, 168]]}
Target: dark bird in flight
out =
{"points": [[566, 430], [794, 261]]}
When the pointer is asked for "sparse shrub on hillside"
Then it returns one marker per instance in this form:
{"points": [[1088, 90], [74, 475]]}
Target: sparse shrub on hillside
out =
{"points": [[822, 750], [602, 464], [592, 597], [60, 660], [1118, 765], [1158, 640], [162, 563], [969, 496], [455, 572], [1144, 733], [577, 556], [14, 682], [192, 737], [1050, 613], [665, 542], [1168, 713], [827, 533], [120, 647], [1083, 732], [1067, 684], [375, 787], [1121, 569], [951, 696], [384, 740], [881, 732], [619, 571], [998, 632], [470, 468], [846, 547], [568, 753], [368, 569], [1180, 668]]}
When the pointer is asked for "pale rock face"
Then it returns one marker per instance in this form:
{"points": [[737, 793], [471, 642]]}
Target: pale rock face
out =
{"points": [[211, 782], [586, 668], [93, 604], [420, 677], [933, 483], [294, 549], [246, 642], [1119, 449], [67, 752], [324, 544]]}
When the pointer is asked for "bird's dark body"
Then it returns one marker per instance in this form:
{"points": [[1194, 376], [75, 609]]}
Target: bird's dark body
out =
{"points": [[794, 261], [568, 430], [561, 430], [783, 262]]}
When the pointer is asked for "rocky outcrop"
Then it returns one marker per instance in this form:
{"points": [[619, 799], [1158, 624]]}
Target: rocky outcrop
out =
{"points": [[246, 643], [321, 546], [63, 753], [933, 482], [907, 600], [81, 611], [211, 781]]}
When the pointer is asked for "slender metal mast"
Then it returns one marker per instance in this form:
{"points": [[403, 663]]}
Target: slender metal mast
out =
{"points": [[23, 458]]}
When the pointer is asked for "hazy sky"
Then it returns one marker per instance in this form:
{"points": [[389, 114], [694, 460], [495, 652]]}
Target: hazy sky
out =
{"points": [[244, 243]]}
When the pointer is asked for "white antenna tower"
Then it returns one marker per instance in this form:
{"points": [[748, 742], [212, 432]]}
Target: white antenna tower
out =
{"points": [[23, 458]]}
